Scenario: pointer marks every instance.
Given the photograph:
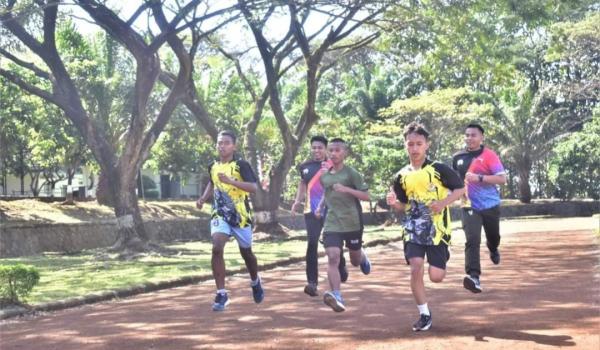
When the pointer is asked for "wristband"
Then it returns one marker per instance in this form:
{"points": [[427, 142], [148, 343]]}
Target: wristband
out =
{"points": [[480, 178]]}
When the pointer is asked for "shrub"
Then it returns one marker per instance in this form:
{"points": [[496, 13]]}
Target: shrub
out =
{"points": [[16, 282]]}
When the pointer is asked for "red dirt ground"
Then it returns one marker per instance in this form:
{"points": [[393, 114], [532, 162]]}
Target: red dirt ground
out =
{"points": [[545, 294]]}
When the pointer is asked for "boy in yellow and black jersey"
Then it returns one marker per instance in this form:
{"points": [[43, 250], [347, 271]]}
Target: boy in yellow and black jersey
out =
{"points": [[423, 190], [231, 182]]}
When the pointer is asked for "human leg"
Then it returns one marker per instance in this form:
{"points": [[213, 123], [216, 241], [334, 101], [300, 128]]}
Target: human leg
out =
{"points": [[358, 257], [491, 226], [313, 231], [471, 222]]}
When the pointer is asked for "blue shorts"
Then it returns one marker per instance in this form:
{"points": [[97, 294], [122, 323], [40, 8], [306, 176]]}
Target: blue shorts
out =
{"points": [[243, 235]]}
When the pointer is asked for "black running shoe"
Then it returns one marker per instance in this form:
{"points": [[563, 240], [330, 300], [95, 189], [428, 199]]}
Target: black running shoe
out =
{"points": [[343, 273], [311, 289], [423, 323], [472, 283], [495, 257], [257, 292]]}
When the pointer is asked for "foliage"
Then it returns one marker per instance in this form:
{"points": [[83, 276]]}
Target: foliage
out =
{"points": [[16, 282], [444, 112], [575, 167]]}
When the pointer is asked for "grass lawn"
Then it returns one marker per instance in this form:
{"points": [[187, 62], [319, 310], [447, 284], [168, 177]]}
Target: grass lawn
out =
{"points": [[70, 275]]}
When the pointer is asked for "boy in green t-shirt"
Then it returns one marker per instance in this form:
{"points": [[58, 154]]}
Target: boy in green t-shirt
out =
{"points": [[344, 187]]}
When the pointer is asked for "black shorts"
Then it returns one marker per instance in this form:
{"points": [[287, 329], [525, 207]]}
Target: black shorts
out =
{"points": [[336, 239], [437, 255]]}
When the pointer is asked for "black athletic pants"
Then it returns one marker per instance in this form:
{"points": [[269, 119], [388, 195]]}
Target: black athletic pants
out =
{"points": [[314, 227], [472, 221]]}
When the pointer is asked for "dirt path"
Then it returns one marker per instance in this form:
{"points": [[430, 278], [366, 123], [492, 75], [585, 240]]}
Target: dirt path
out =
{"points": [[545, 294]]}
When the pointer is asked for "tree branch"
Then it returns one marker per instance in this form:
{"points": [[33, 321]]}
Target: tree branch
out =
{"points": [[10, 76], [36, 70]]}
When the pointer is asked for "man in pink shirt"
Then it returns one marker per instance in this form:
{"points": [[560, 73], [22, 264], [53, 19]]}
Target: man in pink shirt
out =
{"points": [[482, 172]]}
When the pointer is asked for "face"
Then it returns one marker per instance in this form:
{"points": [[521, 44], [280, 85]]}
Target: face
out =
{"points": [[336, 152], [318, 150], [416, 146], [473, 138], [225, 146]]}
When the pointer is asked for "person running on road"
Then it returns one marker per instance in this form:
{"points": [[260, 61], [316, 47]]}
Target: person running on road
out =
{"points": [[344, 188], [231, 182], [482, 171], [424, 189], [310, 193]]}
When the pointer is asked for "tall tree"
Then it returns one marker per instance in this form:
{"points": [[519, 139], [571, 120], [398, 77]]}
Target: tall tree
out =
{"points": [[33, 26]]}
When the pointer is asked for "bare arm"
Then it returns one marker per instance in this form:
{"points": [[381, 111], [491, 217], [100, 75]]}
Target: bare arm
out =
{"points": [[438, 206], [499, 179], [358, 194], [300, 194], [244, 186], [208, 191], [319, 209]]}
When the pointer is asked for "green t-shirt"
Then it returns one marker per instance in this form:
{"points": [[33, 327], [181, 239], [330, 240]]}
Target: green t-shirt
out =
{"points": [[343, 209]]}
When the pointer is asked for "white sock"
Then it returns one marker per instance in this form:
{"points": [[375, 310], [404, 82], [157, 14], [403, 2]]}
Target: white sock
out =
{"points": [[423, 309], [221, 291], [254, 282]]}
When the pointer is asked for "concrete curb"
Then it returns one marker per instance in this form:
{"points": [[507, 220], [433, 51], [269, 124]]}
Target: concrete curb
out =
{"points": [[151, 287]]}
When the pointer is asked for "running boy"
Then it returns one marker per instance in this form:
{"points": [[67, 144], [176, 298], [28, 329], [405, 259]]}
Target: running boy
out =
{"points": [[231, 181], [310, 188], [344, 187], [424, 189]]}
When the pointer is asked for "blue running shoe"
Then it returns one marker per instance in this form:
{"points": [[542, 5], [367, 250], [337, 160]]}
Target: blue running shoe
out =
{"points": [[334, 301], [221, 301], [258, 293], [365, 266]]}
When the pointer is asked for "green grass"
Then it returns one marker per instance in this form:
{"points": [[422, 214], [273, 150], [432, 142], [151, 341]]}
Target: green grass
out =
{"points": [[71, 275]]}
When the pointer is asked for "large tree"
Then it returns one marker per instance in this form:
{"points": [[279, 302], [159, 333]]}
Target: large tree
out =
{"points": [[31, 29]]}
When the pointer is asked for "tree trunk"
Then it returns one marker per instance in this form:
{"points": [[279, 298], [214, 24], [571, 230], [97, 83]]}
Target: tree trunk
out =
{"points": [[524, 170], [266, 205], [103, 195], [132, 239]]}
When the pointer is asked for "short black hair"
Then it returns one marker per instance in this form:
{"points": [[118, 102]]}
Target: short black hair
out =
{"points": [[319, 138], [416, 128], [475, 126], [338, 140], [228, 133]]}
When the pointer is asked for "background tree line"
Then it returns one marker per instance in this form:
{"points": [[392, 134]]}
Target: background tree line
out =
{"points": [[152, 86]]}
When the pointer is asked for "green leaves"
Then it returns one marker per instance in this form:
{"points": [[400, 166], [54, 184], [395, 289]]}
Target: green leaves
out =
{"points": [[16, 282]]}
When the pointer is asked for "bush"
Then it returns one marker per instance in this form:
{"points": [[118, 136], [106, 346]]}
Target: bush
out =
{"points": [[16, 282]]}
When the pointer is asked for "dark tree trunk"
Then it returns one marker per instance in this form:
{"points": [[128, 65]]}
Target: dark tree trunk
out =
{"points": [[524, 171]]}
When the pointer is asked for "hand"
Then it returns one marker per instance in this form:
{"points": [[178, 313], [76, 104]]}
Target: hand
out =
{"points": [[318, 212], [340, 188], [326, 165], [471, 177], [436, 207], [295, 207], [200, 203], [225, 179]]}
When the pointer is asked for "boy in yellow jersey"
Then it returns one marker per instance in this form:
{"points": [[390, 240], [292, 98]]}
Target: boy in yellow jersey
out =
{"points": [[424, 189], [231, 182]]}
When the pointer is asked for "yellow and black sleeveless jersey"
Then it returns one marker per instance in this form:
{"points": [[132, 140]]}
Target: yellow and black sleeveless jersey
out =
{"points": [[229, 202], [417, 188]]}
